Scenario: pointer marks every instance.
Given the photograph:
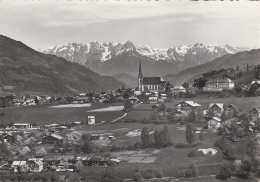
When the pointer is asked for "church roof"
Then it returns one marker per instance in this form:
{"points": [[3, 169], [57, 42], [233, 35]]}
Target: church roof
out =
{"points": [[152, 80]]}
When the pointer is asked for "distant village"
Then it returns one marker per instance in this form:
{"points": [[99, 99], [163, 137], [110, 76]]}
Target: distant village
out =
{"points": [[34, 148]]}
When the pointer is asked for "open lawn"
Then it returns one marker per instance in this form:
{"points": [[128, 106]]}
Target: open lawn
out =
{"points": [[43, 114]]}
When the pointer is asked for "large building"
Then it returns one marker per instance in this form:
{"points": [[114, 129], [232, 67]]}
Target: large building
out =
{"points": [[153, 84], [218, 85]]}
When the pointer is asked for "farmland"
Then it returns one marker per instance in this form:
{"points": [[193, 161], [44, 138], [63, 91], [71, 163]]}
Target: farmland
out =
{"points": [[44, 114], [171, 161]]}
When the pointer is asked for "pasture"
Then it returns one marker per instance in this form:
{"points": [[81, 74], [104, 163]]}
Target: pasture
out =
{"points": [[171, 161], [47, 114]]}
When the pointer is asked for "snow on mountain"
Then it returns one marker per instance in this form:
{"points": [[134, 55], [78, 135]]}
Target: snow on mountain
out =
{"points": [[94, 52]]}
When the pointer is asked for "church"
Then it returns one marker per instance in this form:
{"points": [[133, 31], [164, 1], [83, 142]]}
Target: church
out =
{"points": [[153, 84]]}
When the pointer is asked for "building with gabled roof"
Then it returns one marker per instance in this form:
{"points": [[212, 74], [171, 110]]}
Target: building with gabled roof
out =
{"points": [[255, 112], [214, 123], [231, 107], [188, 106], [216, 108], [52, 139]]}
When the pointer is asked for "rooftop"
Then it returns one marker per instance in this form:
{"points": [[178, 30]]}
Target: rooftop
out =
{"points": [[153, 80]]}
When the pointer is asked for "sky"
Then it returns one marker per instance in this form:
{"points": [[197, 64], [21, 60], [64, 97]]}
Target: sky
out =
{"points": [[159, 24]]}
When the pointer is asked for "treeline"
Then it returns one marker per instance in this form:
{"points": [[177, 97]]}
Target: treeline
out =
{"points": [[159, 139]]}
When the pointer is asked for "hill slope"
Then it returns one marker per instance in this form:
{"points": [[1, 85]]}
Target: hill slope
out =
{"points": [[30, 71], [252, 58]]}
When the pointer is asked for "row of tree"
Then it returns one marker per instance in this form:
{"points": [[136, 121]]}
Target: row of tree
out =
{"points": [[158, 140]]}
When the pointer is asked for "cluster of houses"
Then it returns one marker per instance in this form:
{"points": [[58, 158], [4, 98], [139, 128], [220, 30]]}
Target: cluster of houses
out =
{"points": [[214, 122], [59, 164]]}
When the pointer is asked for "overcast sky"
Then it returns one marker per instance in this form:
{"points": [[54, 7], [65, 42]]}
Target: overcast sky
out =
{"points": [[159, 24]]}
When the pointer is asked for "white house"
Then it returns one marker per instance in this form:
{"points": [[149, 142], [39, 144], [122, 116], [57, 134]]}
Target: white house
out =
{"points": [[178, 89], [153, 99], [218, 85], [214, 123]]}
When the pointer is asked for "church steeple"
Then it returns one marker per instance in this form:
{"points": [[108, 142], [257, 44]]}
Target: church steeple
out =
{"points": [[140, 71], [140, 78]]}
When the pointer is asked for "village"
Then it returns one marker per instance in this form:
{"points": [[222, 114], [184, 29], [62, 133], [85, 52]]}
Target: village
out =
{"points": [[79, 145]]}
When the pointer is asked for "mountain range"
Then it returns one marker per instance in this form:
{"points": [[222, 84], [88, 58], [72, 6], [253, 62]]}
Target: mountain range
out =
{"points": [[241, 59], [116, 59], [24, 70]]}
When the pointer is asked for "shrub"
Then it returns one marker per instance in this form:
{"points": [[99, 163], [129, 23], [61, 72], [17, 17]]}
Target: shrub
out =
{"points": [[158, 174], [226, 149], [148, 174], [192, 171], [224, 173]]}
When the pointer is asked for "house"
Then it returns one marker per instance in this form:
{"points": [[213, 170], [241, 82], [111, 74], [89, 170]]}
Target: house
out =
{"points": [[153, 99], [35, 164], [255, 112], [19, 166], [216, 108], [92, 161], [178, 89], [188, 106], [255, 82], [214, 123], [52, 139], [152, 84], [219, 84], [8, 138], [97, 137], [22, 125], [133, 99], [231, 107]]}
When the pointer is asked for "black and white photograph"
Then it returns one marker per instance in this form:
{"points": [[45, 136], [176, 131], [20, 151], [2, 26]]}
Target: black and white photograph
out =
{"points": [[129, 91]]}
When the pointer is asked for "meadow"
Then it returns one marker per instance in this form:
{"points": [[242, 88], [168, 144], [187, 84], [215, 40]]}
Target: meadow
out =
{"points": [[44, 114], [171, 161]]}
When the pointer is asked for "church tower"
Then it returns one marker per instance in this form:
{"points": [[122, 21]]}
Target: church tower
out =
{"points": [[140, 79]]}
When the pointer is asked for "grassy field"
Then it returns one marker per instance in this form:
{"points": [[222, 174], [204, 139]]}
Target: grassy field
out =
{"points": [[43, 114], [172, 161]]}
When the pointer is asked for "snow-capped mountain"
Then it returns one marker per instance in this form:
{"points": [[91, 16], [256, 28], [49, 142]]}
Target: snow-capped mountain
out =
{"points": [[115, 58], [93, 51]]}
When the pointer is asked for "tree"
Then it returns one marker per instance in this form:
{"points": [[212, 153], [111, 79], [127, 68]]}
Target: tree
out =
{"points": [[5, 153], [251, 148], [225, 172], [128, 105], [189, 134], [201, 136], [192, 117], [165, 137], [247, 67], [52, 100], [234, 128], [41, 152], [36, 100], [161, 108], [145, 138], [69, 99], [246, 167], [157, 139], [85, 138], [167, 88], [192, 171], [87, 147]]}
